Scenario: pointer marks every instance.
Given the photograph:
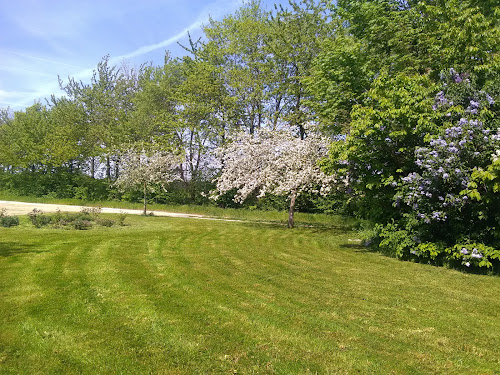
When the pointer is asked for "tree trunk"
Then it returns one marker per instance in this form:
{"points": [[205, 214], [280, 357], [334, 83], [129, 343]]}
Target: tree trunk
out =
{"points": [[108, 167], [291, 211], [145, 199], [117, 167], [92, 167]]}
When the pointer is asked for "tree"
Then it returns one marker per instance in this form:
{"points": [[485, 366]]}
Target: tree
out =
{"points": [[294, 39], [107, 104], [400, 37], [25, 136], [237, 46], [273, 162], [143, 170]]}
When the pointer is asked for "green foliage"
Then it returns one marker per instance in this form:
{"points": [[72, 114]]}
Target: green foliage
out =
{"points": [[38, 218], [379, 148], [7, 221], [395, 241], [121, 219], [80, 224], [77, 220], [58, 182], [429, 250], [472, 254], [105, 222]]}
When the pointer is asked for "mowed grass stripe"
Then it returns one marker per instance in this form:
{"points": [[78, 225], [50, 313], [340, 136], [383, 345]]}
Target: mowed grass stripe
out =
{"points": [[168, 295]]}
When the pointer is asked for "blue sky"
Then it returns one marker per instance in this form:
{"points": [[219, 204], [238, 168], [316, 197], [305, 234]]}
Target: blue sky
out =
{"points": [[41, 39]]}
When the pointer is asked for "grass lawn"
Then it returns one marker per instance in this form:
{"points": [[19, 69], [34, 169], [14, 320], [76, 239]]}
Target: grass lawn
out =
{"points": [[184, 296]]}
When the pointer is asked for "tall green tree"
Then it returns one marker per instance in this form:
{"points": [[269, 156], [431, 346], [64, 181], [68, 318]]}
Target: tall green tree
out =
{"points": [[294, 40], [106, 101], [395, 37], [237, 45]]}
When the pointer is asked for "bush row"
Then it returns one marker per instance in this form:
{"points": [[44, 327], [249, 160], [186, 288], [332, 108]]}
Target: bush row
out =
{"points": [[78, 220]]}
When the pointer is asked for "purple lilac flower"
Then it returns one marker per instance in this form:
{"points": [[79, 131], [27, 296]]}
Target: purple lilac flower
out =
{"points": [[467, 264], [464, 251], [474, 104]]}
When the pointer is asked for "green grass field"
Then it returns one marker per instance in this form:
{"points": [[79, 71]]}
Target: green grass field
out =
{"points": [[184, 296]]}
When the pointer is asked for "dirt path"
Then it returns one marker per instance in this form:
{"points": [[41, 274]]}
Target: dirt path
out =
{"points": [[23, 208]]}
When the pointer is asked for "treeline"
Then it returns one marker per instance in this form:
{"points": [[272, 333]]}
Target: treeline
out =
{"points": [[406, 90], [245, 74]]}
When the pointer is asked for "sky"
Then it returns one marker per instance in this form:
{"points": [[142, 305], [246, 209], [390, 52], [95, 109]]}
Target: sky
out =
{"points": [[43, 39]]}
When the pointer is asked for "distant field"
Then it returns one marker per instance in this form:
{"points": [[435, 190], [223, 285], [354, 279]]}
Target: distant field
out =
{"points": [[184, 296]]}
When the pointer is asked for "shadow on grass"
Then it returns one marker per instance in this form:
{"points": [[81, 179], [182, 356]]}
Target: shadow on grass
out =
{"points": [[357, 247], [8, 249], [310, 227]]}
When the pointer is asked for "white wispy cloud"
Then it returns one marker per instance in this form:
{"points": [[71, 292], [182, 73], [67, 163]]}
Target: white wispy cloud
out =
{"points": [[41, 70], [214, 10]]}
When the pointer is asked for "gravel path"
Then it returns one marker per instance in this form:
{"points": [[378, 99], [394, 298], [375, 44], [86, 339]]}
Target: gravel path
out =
{"points": [[23, 208]]}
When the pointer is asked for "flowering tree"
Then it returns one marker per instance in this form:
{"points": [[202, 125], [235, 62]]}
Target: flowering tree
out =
{"points": [[273, 162], [142, 170]]}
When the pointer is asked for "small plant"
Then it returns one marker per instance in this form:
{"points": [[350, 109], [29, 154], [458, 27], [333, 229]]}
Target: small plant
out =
{"points": [[121, 219], [8, 221], [93, 212], [38, 219], [80, 224], [105, 222]]}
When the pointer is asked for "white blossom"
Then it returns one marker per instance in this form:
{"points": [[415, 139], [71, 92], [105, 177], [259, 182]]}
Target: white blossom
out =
{"points": [[273, 162], [142, 170]]}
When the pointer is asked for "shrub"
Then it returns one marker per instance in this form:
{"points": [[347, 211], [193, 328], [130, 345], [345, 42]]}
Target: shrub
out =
{"points": [[121, 219], [474, 254], [92, 212], [429, 251], [105, 222], [395, 241], [38, 219], [80, 224], [9, 221]]}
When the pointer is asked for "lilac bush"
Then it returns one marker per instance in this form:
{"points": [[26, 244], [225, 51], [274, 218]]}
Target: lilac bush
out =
{"points": [[441, 201], [445, 167]]}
